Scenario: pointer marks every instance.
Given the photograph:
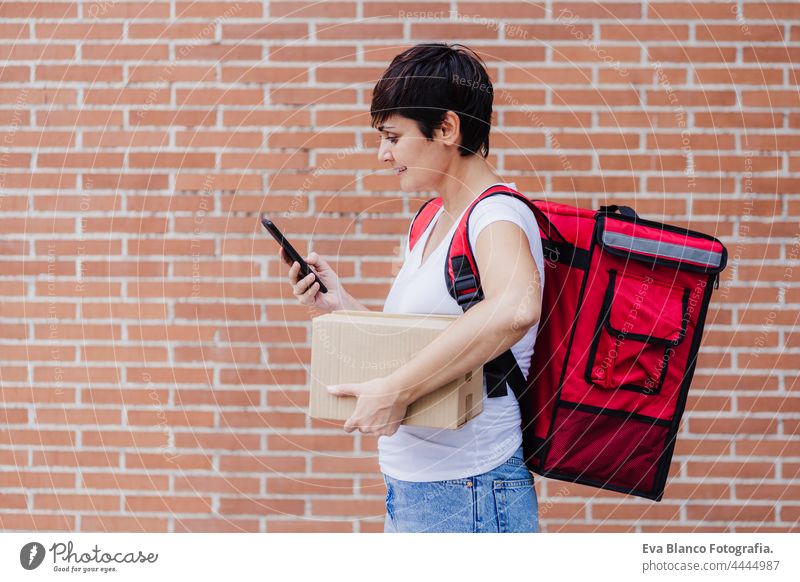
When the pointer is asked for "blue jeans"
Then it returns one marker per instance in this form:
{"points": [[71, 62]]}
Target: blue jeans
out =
{"points": [[501, 500]]}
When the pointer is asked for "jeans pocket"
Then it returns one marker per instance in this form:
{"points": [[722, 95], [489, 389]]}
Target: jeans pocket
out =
{"points": [[389, 498], [516, 506], [515, 461]]}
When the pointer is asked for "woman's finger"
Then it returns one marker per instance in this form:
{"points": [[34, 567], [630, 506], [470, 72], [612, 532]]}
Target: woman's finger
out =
{"points": [[298, 287], [302, 285], [312, 291], [293, 273], [310, 282]]}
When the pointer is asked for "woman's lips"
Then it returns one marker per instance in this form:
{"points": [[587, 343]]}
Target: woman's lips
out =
{"points": [[399, 171]]}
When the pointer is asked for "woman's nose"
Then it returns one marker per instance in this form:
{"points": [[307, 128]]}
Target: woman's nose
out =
{"points": [[384, 155]]}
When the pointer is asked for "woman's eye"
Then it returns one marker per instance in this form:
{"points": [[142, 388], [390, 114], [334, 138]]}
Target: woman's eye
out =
{"points": [[392, 139]]}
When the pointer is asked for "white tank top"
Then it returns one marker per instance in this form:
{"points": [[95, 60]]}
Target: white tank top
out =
{"points": [[489, 439]]}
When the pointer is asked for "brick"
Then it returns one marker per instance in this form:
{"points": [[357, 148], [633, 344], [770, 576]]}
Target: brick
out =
{"points": [[768, 491], [771, 98], [214, 9], [764, 55], [41, 438], [76, 459], [103, 10], [154, 73], [230, 485], [689, 54], [67, 502], [739, 76], [34, 395], [293, 399], [120, 51], [188, 525], [33, 353], [262, 463], [121, 523], [662, 511], [14, 30], [298, 52], [218, 52], [268, 31], [166, 504], [679, 490], [125, 439], [767, 448], [262, 419], [73, 417], [170, 418], [105, 31], [224, 441], [731, 513], [13, 501], [771, 11], [79, 73], [260, 506], [157, 117], [38, 10], [36, 522], [644, 32], [124, 481], [46, 479], [218, 397], [744, 426], [287, 96], [309, 526], [309, 486], [732, 470], [37, 52], [177, 30], [691, 10], [342, 507], [735, 32]]}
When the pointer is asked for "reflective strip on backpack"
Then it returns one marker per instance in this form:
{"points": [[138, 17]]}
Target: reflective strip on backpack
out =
{"points": [[658, 248]]}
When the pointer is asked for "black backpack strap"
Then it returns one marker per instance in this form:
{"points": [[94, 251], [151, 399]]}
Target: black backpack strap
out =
{"points": [[501, 370], [623, 210]]}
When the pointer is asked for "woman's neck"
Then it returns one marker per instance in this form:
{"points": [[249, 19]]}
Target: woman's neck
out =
{"points": [[464, 181]]}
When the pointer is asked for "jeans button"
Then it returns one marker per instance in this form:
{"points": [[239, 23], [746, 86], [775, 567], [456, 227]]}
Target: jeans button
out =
{"points": [[469, 483]]}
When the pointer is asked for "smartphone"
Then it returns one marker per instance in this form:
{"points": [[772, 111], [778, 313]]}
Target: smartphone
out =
{"points": [[291, 252]]}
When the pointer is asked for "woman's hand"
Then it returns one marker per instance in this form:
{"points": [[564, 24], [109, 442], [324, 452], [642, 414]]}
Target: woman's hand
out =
{"points": [[380, 406], [307, 290]]}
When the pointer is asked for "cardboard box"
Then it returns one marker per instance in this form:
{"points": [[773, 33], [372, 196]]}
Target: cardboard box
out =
{"points": [[356, 346]]}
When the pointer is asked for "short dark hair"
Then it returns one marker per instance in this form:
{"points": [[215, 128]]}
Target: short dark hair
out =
{"points": [[425, 81]]}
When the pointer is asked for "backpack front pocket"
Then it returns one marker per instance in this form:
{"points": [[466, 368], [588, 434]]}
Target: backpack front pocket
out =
{"points": [[641, 322]]}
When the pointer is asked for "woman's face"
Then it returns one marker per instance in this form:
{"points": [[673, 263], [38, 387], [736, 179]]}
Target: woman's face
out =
{"points": [[419, 164]]}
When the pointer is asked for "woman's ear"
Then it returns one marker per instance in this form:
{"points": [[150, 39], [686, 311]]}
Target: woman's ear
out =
{"points": [[450, 129]]}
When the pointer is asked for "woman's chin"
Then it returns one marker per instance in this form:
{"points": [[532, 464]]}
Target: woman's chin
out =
{"points": [[406, 186]]}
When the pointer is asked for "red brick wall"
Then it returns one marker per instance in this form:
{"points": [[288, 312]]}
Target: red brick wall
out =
{"points": [[154, 364]]}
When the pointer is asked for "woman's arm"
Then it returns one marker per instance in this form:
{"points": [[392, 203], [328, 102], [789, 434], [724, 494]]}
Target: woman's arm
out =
{"points": [[511, 305]]}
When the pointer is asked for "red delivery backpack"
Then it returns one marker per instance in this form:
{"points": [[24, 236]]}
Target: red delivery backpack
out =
{"points": [[623, 309]]}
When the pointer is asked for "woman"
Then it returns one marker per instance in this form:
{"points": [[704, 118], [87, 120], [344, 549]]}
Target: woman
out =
{"points": [[433, 108]]}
